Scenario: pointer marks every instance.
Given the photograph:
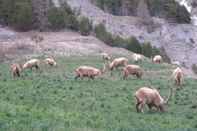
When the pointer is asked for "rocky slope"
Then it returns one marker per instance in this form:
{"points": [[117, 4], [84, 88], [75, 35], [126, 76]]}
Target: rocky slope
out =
{"points": [[67, 43], [191, 6], [179, 40]]}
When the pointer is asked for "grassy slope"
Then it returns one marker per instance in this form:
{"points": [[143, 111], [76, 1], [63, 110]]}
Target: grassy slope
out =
{"points": [[49, 102]]}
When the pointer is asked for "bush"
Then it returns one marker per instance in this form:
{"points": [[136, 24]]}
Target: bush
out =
{"points": [[134, 45], [22, 17], [62, 17], [57, 18], [17, 14], [85, 26], [131, 43], [147, 49], [103, 35], [120, 42]]}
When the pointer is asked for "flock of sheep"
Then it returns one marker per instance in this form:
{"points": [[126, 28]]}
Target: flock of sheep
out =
{"points": [[144, 96]]}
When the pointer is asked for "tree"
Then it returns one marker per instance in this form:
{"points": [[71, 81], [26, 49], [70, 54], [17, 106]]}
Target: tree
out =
{"points": [[143, 12]]}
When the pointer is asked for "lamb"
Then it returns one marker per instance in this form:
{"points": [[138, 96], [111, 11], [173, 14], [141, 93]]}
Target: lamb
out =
{"points": [[87, 71], [137, 57], [16, 69], [50, 61], [106, 57], [122, 61], [152, 98], [157, 59], [133, 70], [32, 63], [178, 76]]}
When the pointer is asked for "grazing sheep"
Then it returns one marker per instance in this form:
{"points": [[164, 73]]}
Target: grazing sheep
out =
{"points": [[50, 61], [87, 71], [16, 70], [178, 76], [106, 57], [157, 59], [151, 97], [32, 63], [132, 70], [122, 61], [137, 57]]}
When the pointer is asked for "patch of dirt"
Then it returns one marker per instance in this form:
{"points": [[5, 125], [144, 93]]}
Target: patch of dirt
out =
{"points": [[65, 43]]}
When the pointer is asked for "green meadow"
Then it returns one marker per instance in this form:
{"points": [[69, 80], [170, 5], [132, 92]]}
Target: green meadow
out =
{"points": [[52, 100]]}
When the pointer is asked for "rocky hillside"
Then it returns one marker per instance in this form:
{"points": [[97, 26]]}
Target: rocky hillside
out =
{"points": [[179, 40], [191, 6]]}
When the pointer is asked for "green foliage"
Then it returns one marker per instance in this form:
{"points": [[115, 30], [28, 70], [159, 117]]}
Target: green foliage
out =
{"points": [[85, 26], [62, 17], [111, 6], [134, 45], [131, 43], [17, 14], [103, 35], [48, 101], [57, 18], [147, 49]]}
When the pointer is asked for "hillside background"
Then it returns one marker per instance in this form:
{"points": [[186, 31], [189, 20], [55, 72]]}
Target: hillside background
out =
{"points": [[135, 25]]}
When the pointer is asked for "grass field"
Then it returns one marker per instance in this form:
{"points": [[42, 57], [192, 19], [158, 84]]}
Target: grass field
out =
{"points": [[49, 101]]}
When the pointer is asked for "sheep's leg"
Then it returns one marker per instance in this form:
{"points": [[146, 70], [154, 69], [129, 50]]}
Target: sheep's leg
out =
{"points": [[150, 106], [76, 77], [137, 107], [92, 77], [125, 76], [37, 67], [18, 73]]}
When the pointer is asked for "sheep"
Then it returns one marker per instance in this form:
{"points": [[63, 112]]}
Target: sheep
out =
{"points": [[32, 63], [152, 98], [16, 69], [133, 70], [87, 71], [122, 61], [137, 57], [178, 76], [50, 61], [106, 57], [157, 59]]}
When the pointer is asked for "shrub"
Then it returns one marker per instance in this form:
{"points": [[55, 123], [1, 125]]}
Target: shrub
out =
{"points": [[85, 26], [134, 45], [120, 42], [131, 43], [103, 35], [147, 49], [57, 18], [62, 17], [17, 14]]}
